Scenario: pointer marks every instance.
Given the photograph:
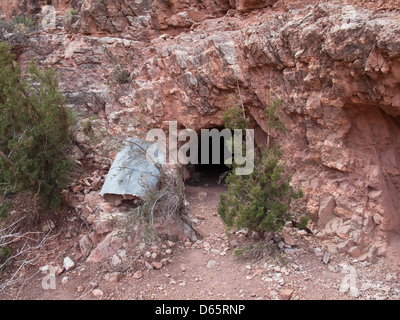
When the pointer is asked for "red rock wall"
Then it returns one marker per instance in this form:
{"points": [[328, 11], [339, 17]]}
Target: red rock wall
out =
{"points": [[336, 67]]}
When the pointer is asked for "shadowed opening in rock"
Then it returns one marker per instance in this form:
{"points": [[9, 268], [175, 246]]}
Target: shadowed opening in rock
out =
{"points": [[211, 158]]}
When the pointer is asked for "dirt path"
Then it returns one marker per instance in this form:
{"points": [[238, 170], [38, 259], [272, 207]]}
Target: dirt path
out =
{"points": [[207, 269]]}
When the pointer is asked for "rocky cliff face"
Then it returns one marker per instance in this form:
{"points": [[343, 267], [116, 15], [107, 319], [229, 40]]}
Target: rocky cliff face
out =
{"points": [[335, 65]]}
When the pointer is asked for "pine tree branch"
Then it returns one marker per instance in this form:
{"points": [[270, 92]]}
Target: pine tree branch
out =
{"points": [[8, 160]]}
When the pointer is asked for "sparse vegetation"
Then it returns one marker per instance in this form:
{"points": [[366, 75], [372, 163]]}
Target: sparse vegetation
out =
{"points": [[5, 206], [17, 30], [235, 119], [167, 201], [259, 201], [303, 222], [23, 20], [34, 132], [121, 75], [257, 251]]}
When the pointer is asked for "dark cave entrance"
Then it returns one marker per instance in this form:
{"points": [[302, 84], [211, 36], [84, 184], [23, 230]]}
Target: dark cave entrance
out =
{"points": [[212, 153]]}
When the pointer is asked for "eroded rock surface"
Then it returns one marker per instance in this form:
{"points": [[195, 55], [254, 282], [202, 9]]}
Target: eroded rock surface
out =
{"points": [[335, 65]]}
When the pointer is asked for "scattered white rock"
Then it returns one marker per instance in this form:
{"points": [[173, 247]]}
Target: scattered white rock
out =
{"points": [[113, 277], [97, 293], [326, 258], [137, 275], [211, 264], [68, 263], [115, 260]]}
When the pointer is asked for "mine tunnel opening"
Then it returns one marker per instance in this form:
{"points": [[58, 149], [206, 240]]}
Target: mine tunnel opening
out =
{"points": [[211, 154]]}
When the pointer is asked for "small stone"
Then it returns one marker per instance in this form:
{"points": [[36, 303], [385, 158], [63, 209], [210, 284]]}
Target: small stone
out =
{"points": [[168, 251], [289, 239], [58, 270], [182, 268], [188, 244], [326, 258], [154, 256], [234, 243], [318, 252], [96, 184], [115, 260], [137, 275], [170, 244], [365, 286], [97, 293], [302, 233], [211, 264], [287, 294], [182, 284], [157, 265], [277, 238], [389, 277], [68, 263], [281, 244], [113, 277], [85, 245], [202, 195], [122, 254], [355, 251], [148, 265], [64, 280], [45, 268]]}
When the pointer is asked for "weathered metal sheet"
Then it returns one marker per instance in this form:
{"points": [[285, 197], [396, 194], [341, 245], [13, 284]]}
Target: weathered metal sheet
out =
{"points": [[130, 173]]}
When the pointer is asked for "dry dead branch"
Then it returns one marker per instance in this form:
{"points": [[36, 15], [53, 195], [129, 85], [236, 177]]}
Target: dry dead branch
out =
{"points": [[20, 255]]}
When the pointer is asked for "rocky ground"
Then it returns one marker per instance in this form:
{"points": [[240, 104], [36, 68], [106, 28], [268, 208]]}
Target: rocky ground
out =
{"points": [[335, 65], [208, 269]]}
